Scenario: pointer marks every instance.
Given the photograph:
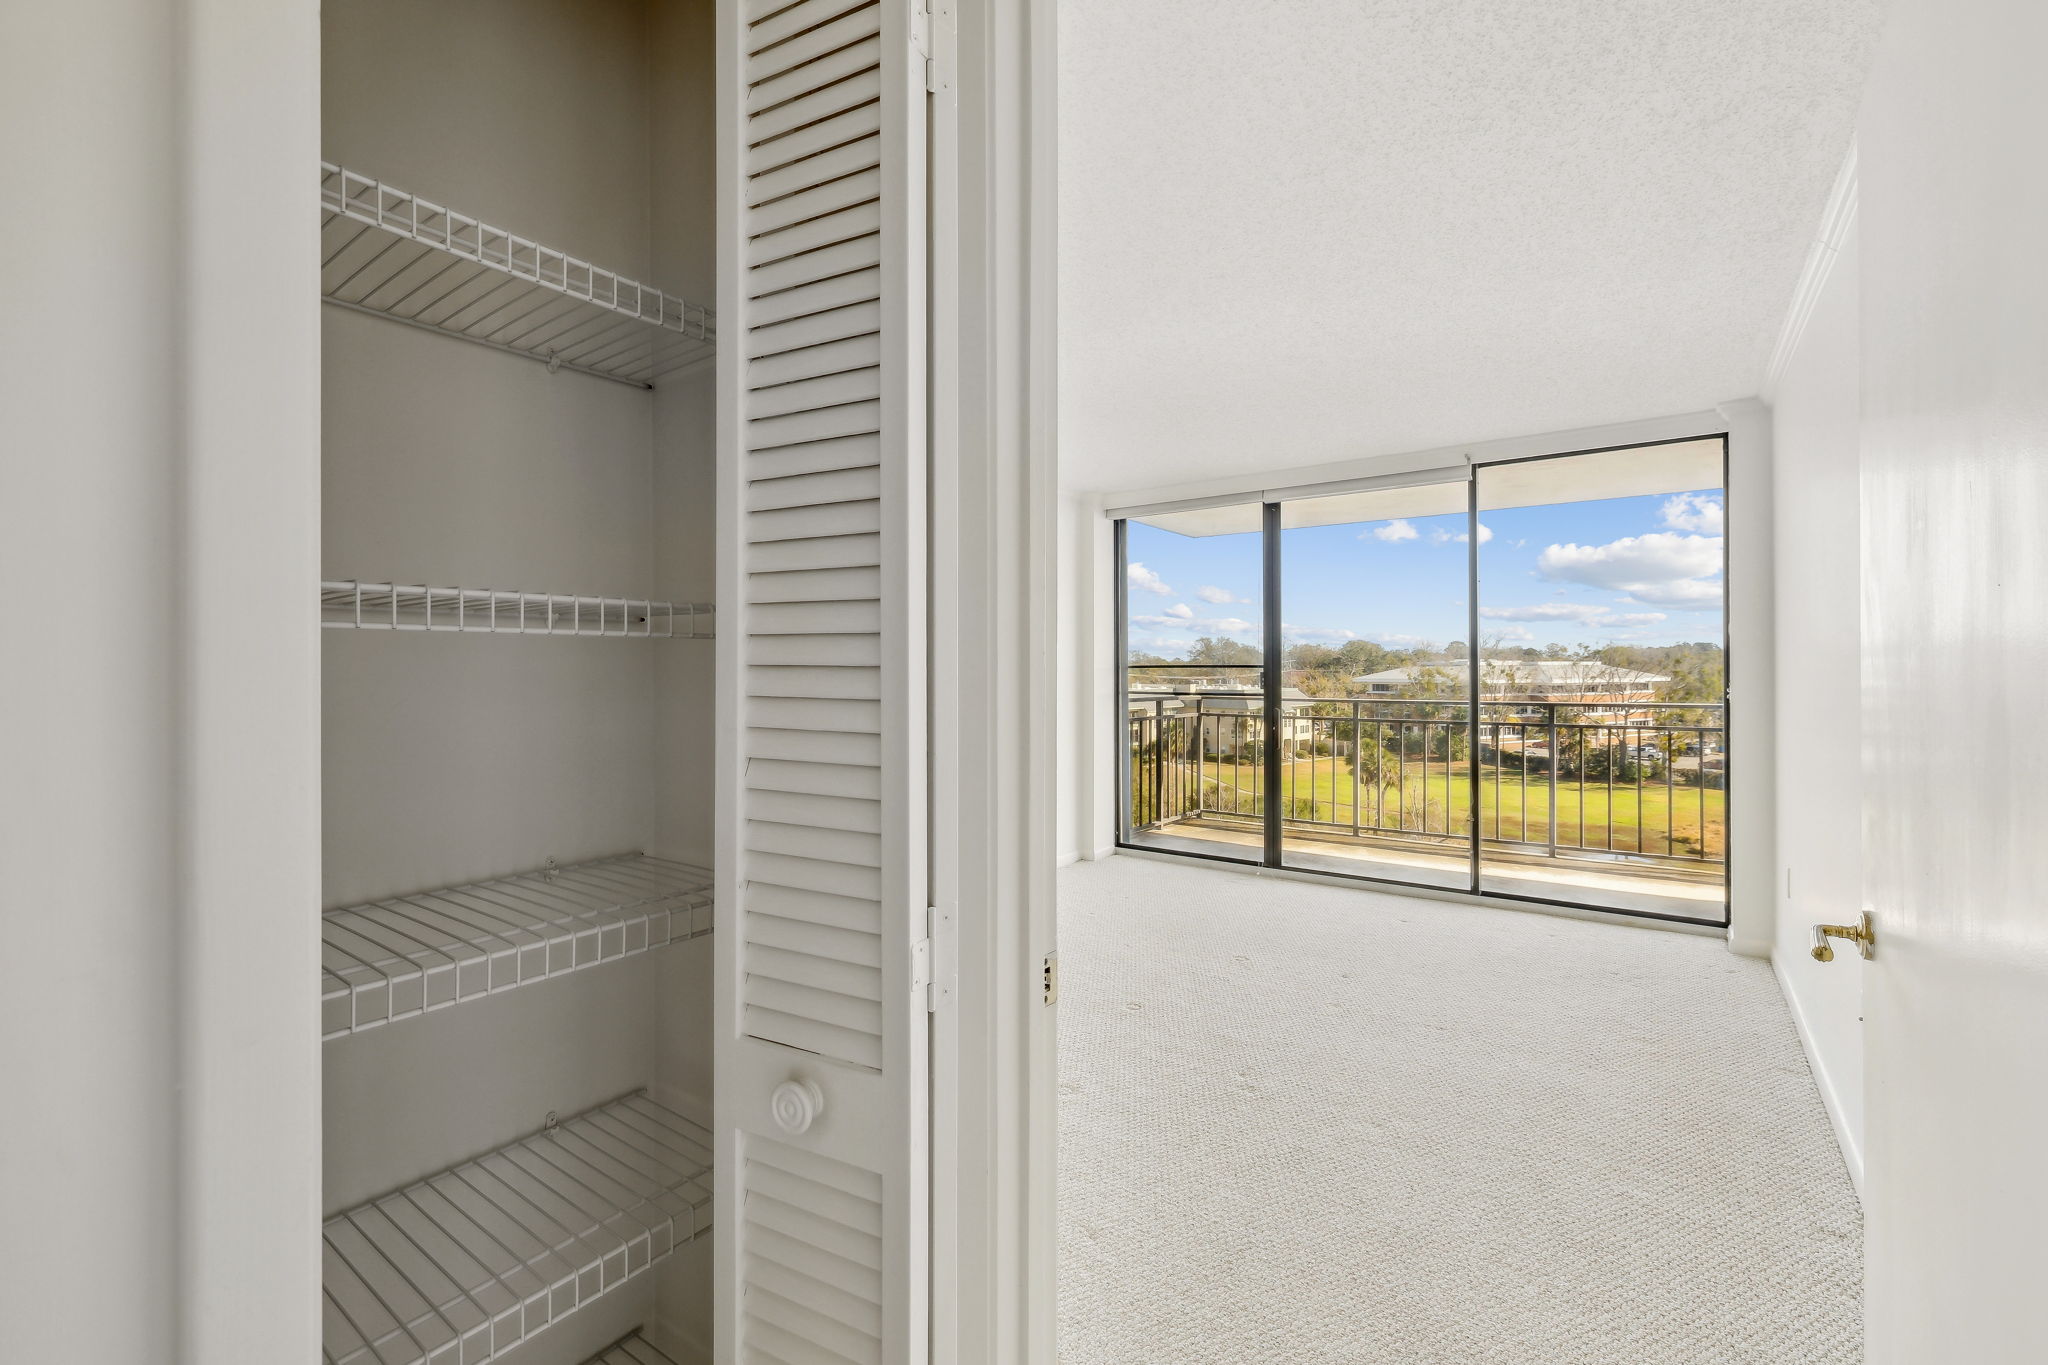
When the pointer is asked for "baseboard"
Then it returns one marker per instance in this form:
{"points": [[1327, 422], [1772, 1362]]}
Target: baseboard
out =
{"points": [[1067, 858], [1846, 1141]]}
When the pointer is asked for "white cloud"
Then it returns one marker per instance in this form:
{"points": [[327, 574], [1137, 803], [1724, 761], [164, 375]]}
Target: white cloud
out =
{"points": [[1546, 611], [1395, 639], [1634, 618], [1220, 596], [1180, 616], [1321, 635], [1445, 537], [1397, 529], [1514, 633], [1659, 569], [1145, 580], [1699, 512]]}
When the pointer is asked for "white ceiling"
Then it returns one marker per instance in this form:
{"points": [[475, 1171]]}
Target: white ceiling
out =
{"points": [[1295, 232]]}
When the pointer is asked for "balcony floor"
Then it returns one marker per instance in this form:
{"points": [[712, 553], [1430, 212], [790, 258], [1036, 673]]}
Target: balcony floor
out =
{"points": [[1655, 888], [1340, 1126]]}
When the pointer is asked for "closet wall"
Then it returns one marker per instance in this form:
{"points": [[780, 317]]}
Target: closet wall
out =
{"points": [[454, 757]]}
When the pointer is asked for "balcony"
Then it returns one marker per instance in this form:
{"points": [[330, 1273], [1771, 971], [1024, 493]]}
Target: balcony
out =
{"points": [[1618, 803]]}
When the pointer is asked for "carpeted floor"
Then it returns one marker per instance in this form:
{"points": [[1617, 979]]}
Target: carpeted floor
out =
{"points": [[1308, 1123]]}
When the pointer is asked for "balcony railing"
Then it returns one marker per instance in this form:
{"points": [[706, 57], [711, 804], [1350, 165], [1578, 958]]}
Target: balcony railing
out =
{"points": [[1607, 781]]}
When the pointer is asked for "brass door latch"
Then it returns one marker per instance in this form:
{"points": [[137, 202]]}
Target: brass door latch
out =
{"points": [[1861, 933]]}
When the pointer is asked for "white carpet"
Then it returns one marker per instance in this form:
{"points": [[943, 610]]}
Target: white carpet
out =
{"points": [[1307, 1123]]}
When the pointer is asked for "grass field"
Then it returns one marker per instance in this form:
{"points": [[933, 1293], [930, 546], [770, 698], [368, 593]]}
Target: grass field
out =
{"points": [[1684, 820]]}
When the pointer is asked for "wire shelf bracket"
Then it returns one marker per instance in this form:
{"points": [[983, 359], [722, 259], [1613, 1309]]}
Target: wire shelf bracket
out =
{"points": [[395, 255], [464, 1265], [397, 959], [350, 604]]}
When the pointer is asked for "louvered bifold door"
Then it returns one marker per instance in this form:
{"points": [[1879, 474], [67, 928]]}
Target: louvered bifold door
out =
{"points": [[822, 1075]]}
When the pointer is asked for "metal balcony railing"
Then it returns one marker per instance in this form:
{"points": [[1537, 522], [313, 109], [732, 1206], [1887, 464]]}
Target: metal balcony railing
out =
{"points": [[1600, 780]]}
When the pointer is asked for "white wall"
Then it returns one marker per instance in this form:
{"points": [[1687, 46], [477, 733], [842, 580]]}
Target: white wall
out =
{"points": [[1815, 416], [159, 813], [1085, 672]]}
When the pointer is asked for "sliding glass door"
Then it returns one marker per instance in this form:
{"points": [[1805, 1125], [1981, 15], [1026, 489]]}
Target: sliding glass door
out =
{"points": [[1195, 758], [1505, 679], [1375, 699], [1603, 730]]}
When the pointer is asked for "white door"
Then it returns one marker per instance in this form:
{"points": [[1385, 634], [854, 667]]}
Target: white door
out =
{"points": [[822, 1075], [1955, 492]]}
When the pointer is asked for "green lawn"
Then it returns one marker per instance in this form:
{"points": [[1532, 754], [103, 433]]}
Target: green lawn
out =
{"points": [[1440, 803]]}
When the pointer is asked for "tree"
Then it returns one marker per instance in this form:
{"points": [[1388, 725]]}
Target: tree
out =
{"points": [[1217, 649]]}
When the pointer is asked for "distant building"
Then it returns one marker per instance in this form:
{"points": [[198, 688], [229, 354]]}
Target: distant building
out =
{"points": [[1559, 680], [1230, 713]]}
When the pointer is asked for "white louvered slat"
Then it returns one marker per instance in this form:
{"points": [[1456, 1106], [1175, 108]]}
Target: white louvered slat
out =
{"points": [[828, 779], [832, 357], [811, 490], [837, 292], [773, 27], [815, 457], [833, 66], [826, 812], [819, 104], [823, 467], [801, 936], [813, 171], [815, 585], [798, 239], [842, 258], [818, 552], [767, 63], [824, 392], [804, 746], [839, 651], [810, 523], [815, 618], [807, 205], [851, 125], [857, 320], [814, 971], [827, 910], [827, 684], [812, 874]]}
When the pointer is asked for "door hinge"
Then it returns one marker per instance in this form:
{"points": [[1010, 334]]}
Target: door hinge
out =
{"points": [[934, 959], [925, 17], [1052, 978]]}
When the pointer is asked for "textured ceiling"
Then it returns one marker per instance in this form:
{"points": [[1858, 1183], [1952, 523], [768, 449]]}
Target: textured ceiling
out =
{"points": [[1298, 232]]}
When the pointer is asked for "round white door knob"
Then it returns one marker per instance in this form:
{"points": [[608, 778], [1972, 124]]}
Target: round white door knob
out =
{"points": [[796, 1105]]}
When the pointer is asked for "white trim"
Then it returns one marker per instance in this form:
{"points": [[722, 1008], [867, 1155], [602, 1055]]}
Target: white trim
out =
{"points": [[1830, 1097], [994, 512], [1750, 609], [1244, 487], [1813, 276]]}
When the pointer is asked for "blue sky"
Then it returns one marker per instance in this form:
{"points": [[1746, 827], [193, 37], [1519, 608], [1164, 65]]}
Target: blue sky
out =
{"points": [[1643, 570]]}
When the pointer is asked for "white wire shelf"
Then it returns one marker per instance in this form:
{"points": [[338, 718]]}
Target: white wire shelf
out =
{"points": [[463, 1265], [632, 1349], [396, 255], [396, 959], [349, 604]]}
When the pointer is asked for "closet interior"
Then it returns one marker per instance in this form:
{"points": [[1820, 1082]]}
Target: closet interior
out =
{"points": [[518, 244]]}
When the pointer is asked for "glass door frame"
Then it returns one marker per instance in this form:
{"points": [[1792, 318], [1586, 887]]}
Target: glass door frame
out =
{"points": [[1273, 663]]}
